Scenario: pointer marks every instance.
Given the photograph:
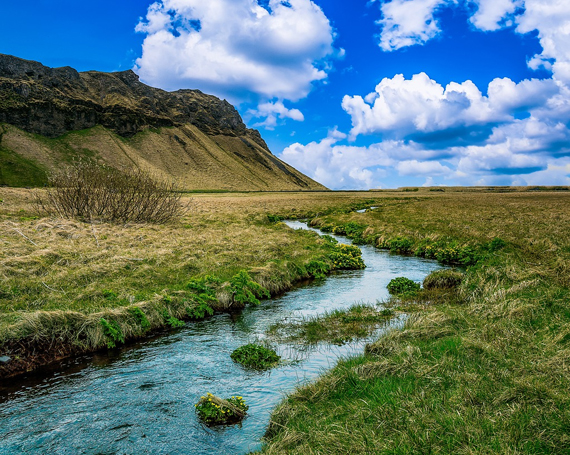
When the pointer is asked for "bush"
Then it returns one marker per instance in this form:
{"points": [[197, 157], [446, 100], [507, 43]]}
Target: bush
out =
{"points": [[90, 191], [443, 279], [318, 269], [403, 286], [255, 356], [217, 411]]}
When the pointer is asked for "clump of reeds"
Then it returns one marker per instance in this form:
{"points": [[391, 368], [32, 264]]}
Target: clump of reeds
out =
{"points": [[89, 191]]}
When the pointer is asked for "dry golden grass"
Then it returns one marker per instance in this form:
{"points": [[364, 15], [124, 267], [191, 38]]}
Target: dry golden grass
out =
{"points": [[59, 277]]}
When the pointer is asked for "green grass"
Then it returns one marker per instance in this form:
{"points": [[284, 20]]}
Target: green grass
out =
{"points": [[337, 327], [18, 171], [481, 368], [255, 356], [59, 278]]}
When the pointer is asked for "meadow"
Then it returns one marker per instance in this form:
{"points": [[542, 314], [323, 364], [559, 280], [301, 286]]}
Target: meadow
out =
{"points": [[483, 368], [68, 286]]}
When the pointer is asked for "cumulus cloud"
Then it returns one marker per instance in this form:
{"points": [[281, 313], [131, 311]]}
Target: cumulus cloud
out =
{"points": [[271, 112], [551, 18], [494, 14], [408, 22], [515, 154], [400, 107], [236, 48]]}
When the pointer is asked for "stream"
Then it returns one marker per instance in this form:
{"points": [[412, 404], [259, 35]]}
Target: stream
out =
{"points": [[140, 399]]}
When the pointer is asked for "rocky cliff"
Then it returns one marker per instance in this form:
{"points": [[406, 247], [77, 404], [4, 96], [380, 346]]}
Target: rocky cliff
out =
{"points": [[51, 115]]}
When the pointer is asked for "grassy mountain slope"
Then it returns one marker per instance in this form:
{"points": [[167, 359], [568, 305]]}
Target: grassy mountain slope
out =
{"points": [[51, 116]]}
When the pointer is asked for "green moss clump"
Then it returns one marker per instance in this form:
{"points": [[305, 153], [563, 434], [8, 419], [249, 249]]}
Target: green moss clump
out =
{"points": [[346, 257], [255, 356], [403, 286], [217, 411]]}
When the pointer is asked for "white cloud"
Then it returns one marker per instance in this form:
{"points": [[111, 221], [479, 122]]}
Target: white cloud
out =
{"points": [[422, 168], [494, 14], [408, 22], [552, 20], [236, 48], [340, 166], [399, 107], [272, 111]]}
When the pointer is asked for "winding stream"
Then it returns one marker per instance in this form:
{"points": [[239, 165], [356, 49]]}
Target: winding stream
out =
{"points": [[140, 399]]}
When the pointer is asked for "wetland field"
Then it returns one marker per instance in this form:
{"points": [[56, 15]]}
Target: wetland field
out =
{"points": [[474, 365]]}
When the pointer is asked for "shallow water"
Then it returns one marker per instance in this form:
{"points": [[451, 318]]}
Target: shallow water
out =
{"points": [[140, 399]]}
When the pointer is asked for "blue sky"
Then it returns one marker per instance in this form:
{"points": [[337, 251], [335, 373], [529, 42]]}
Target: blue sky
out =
{"points": [[357, 95]]}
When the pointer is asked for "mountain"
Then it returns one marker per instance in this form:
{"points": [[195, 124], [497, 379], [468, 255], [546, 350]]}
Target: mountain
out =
{"points": [[52, 116]]}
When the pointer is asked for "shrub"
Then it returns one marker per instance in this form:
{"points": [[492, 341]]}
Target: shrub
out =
{"points": [[171, 320], [204, 293], [403, 286], [443, 279], [87, 190], [217, 411], [255, 356], [318, 269]]}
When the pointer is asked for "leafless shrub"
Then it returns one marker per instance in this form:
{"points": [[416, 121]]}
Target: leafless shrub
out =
{"points": [[90, 191]]}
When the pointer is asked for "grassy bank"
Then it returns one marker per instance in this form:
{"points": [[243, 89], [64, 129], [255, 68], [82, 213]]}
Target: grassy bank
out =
{"points": [[68, 286], [481, 371]]}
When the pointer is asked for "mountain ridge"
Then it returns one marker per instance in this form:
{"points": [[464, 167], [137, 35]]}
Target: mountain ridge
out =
{"points": [[41, 108]]}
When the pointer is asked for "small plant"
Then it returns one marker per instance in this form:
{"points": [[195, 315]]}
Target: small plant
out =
{"points": [[171, 320], [245, 290], [403, 286], [496, 244], [318, 269], [443, 279], [274, 218], [255, 356], [141, 318], [113, 333], [217, 411], [346, 257], [204, 294], [108, 294]]}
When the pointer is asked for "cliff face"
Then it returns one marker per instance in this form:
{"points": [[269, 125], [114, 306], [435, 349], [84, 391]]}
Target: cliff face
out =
{"points": [[54, 101]]}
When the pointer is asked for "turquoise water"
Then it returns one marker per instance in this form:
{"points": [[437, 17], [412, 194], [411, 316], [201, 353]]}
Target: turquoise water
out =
{"points": [[140, 399]]}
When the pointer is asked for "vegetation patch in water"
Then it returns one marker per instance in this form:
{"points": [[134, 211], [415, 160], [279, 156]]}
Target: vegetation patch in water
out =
{"points": [[403, 286], [337, 327], [255, 356], [346, 257], [213, 410]]}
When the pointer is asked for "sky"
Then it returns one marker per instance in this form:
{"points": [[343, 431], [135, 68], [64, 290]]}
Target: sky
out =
{"points": [[356, 94]]}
